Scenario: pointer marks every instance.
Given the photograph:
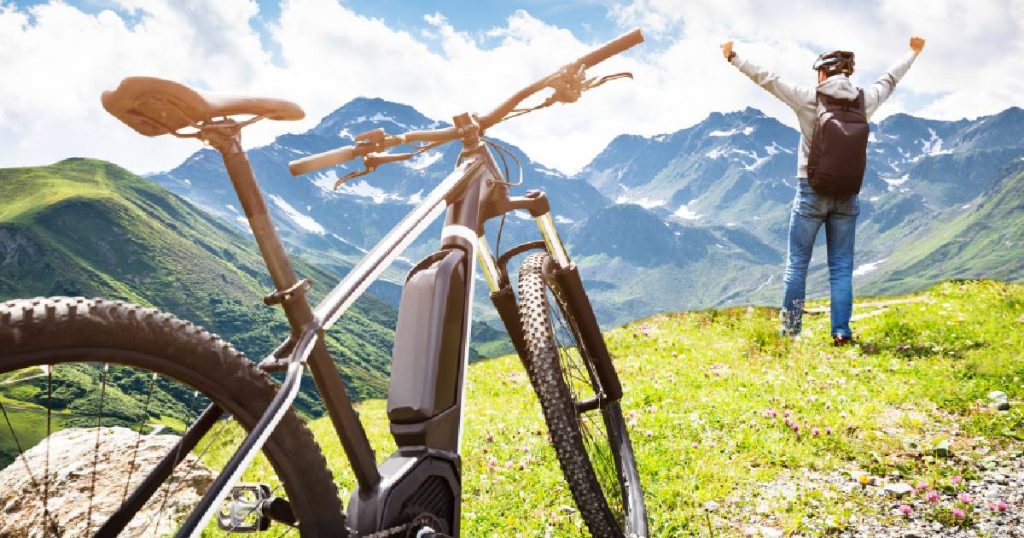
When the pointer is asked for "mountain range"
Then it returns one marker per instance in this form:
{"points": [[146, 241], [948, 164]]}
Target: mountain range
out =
{"points": [[687, 219]]}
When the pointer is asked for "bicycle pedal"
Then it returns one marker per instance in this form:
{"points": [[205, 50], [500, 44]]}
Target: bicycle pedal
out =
{"points": [[250, 508]]}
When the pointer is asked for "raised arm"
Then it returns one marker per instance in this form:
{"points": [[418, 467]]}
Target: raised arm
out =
{"points": [[793, 95], [882, 88]]}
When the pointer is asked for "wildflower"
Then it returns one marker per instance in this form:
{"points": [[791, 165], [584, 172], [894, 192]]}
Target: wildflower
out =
{"points": [[864, 479], [770, 412], [958, 513], [815, 432], [921, 486], [1001, 506], [965, 498], [905, 509], [828, 430], [932, 496], [956, 480]]}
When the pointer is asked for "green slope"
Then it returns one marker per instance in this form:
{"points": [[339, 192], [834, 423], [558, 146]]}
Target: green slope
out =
{"points": [[86, 227], [983, 241]]}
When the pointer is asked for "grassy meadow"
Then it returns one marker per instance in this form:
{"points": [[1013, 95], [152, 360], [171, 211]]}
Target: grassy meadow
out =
{"points": [[712, 398]]}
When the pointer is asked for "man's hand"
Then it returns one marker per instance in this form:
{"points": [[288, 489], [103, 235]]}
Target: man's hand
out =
{"points": [[727, 50], [916, 44]]}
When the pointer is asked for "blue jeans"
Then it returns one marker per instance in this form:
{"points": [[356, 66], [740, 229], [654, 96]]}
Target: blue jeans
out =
{"points": [[839, 215]]}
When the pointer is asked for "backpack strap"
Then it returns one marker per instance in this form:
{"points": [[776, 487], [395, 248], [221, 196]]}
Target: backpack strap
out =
{"points": [[823, 101]]}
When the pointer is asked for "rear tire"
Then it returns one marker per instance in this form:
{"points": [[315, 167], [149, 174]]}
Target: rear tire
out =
{"points": [[58, 331], [605, 486]]}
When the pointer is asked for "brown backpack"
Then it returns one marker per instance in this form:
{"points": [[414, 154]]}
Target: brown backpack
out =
{"points": [[835, 166]]}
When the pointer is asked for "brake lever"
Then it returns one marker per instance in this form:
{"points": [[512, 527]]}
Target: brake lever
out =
{"points": [[594, 82], [351, 175], [370, 163]]}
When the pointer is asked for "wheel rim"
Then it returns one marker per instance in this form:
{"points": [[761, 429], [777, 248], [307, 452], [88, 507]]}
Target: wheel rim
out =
{"points": [[106, 439], [580, 377]]}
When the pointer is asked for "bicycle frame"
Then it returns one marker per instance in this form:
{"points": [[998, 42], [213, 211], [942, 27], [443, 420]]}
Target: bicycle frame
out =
{"points": [[431, 351]]}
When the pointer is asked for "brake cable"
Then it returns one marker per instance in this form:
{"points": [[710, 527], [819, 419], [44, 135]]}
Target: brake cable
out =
{"points": [[568, 91]]}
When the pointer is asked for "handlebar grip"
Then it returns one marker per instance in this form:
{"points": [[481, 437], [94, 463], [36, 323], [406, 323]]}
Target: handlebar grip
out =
{"points": [[612, 48], [322, 160]]}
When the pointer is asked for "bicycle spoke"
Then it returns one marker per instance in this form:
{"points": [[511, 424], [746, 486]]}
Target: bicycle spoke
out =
{"points": [[17, 444], [49, 431], [28, 470], [580, 375], [177, 459], [138, 439], [96, 454]]}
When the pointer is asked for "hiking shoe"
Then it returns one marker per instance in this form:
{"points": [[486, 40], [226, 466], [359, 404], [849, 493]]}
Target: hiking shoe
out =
{"points": [[840, 340]]}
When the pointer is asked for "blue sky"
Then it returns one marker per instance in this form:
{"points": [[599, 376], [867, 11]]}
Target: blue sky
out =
{"points": [[449, 56]]}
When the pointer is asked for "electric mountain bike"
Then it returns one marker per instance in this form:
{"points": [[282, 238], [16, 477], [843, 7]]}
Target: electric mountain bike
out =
{"points": [[52, 349]]}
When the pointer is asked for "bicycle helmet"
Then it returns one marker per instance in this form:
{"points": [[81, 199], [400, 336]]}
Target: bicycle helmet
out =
{"points": [[835, 63]]}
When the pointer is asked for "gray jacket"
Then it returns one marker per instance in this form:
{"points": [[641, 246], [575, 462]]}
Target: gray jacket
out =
{"points": [[803, 99]]}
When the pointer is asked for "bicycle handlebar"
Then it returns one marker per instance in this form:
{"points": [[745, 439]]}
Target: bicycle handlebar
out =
{"points": [[591, 59], [322, 160], [348, 153]]}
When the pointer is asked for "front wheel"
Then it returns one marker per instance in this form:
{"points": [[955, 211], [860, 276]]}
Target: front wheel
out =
{"points": [[90, 390], [591, 441]]}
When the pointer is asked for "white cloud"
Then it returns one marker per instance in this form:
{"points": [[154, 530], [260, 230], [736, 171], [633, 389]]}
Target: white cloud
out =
{"points": [[56, 60]]}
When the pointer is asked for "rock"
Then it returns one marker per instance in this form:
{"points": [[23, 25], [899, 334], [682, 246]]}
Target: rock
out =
{"points": [[898, 490], [997, 396], [1003, 406], [71, 468]]}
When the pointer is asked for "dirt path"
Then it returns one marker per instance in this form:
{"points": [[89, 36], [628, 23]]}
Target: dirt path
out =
{"points": [[20, 379]]}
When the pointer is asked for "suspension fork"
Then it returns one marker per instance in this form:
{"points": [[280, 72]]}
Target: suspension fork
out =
{"points": [[566, 277]]}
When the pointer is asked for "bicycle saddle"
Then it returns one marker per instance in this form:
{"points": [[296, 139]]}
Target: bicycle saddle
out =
{"points": [[154, 106]]}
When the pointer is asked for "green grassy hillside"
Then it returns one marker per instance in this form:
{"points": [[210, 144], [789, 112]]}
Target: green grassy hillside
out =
{"points": [[706, 397], [982, 240], [86, 227]]}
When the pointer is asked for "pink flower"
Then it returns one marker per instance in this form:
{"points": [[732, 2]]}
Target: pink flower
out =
{"points": [[828, 430], [921, 486], [932, 496], [965, 498], [905, 509], [770, 413], [1001, 506], [815, 432], [958, 513], [956, 480]]}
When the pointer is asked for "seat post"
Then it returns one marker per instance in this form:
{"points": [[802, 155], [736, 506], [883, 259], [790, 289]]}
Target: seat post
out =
{"points": [[226, 138]]}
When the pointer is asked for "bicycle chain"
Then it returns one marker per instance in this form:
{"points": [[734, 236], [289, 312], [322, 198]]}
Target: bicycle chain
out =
{"points": [[424, 519]]}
